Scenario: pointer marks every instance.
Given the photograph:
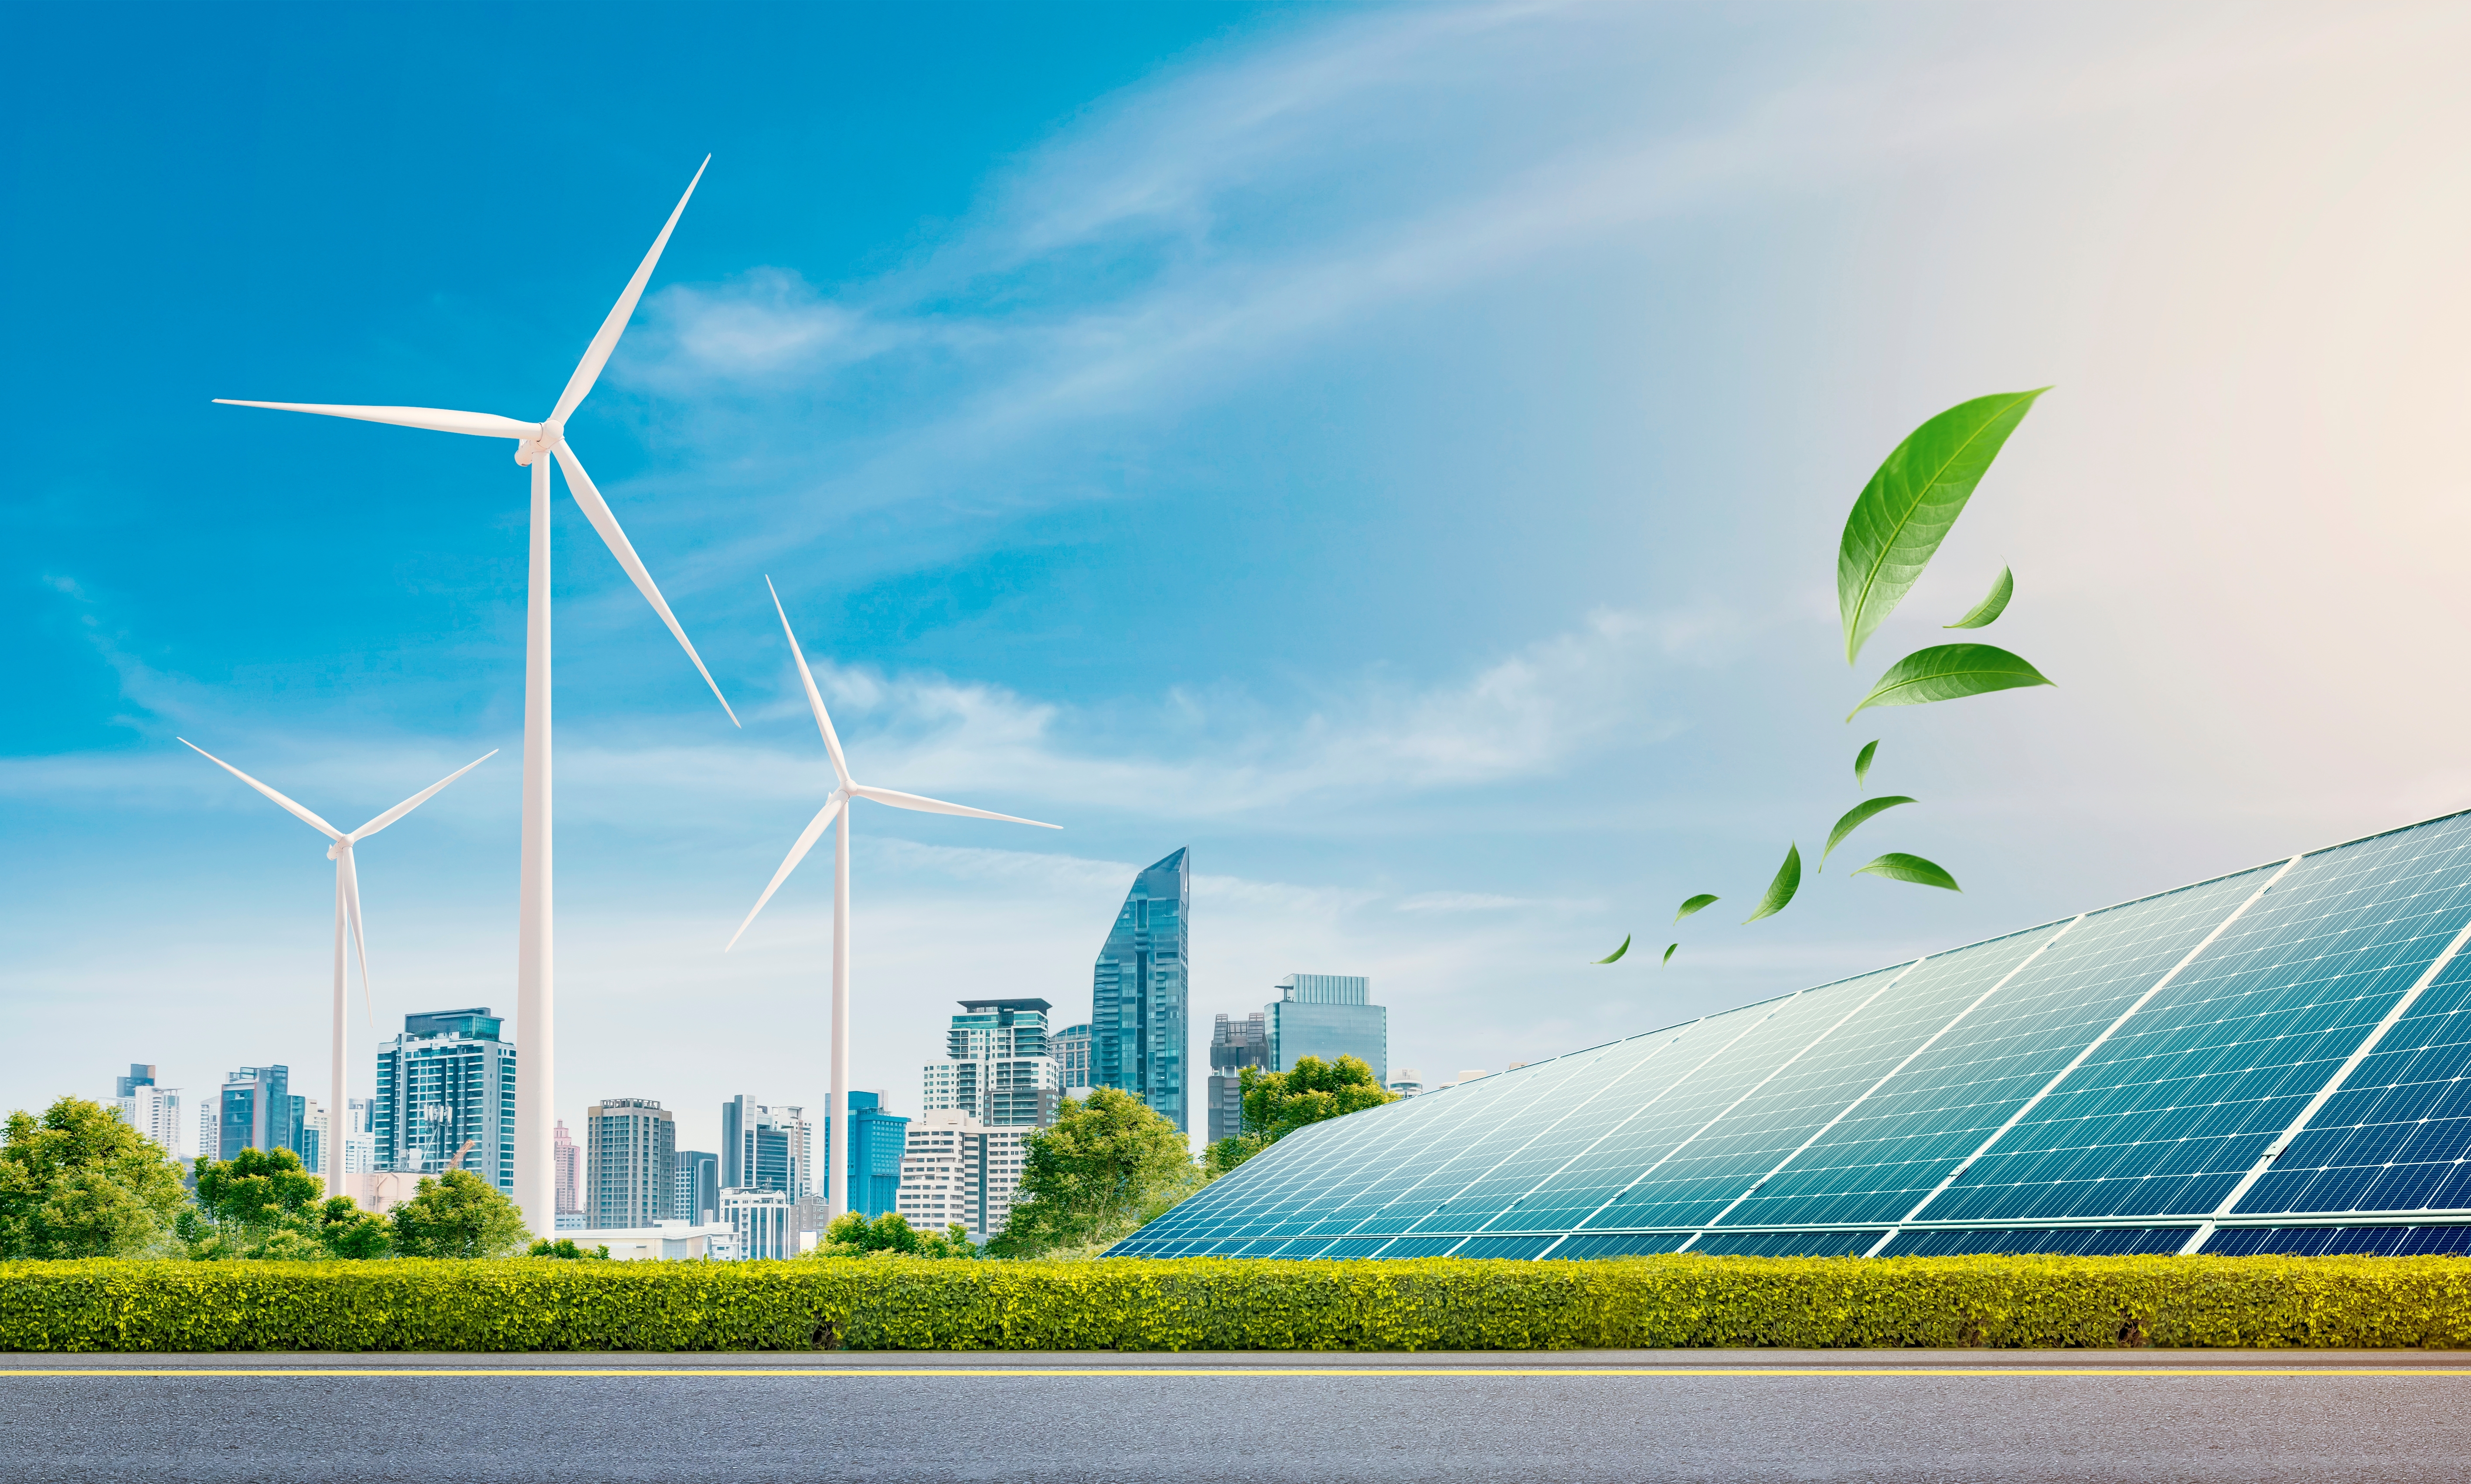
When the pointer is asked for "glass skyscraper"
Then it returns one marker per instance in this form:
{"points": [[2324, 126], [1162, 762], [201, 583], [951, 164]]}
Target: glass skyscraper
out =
{"points": [[446, 1081], [1139, 1021], [1071, 1049], [1234, 1046], [1329, 1016]]}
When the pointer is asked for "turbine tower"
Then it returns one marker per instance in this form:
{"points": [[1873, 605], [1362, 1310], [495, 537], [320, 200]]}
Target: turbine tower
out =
{"points": [[347, 914], [836, 1142], [536, 938]]}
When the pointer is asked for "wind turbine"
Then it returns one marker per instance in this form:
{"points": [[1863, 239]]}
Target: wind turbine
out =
{"points": [[837, 1143], [347, 914], [536, 938]]}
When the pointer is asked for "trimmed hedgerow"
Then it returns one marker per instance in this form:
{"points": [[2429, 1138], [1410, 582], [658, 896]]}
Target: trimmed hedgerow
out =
{"points": [[1208, 1304]]}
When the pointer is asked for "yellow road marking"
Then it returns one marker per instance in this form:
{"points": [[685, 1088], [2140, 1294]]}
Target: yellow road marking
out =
{"points": [[1403, 1372]]}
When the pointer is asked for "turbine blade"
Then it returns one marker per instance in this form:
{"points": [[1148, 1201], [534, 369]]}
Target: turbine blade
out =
{"points": [[438, 419], [814, 697], [597, 354], [813, 831], [597, 511], [900, 800], [315, 823], [418, 799], [360, 941]]}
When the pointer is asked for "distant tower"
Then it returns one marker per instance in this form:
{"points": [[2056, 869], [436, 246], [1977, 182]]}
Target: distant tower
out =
{"points": [[630, 1147], [1071, 1049], [997, 1066], [567, 1157], [1234, 1046], [447, 1079], [150, 1108], [1329, 1016], [1139, 1021]]}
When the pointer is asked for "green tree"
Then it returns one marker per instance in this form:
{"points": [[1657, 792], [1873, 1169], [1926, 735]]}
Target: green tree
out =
{"points": [[1107, 1167], [853, 1235], [79, 1183], [458, 1214], [262, 1204], [565, 1248], [1278, 1104]]}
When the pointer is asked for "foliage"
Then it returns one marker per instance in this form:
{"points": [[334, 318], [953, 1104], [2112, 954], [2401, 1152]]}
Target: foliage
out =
{"points": [[1897, 866], [1947, 672], [1224, 1155], [1616, 955], [1987, 612], [1108, 1164], [79, 1183], [1862, 762], [261, 1203], [853, 1235], [1129, 1304], [1780, 890], [564, 1248], [1278, 1104], [458, 1214], [1856, 817]]}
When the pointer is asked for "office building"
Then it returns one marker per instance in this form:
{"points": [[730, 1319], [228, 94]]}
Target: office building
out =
{"points": [[150, 1108], [311, 1138], [1071, 1049], [258, 1111], [628, 1147], [764, 1148], [876, 1142], [958, 1171], [761, 1222], [1329, 1016], [566, 1171], [446, 1098], [360, 1145], [1139, 1019], [695, 1188], [1408, 1083], [1234, 1046], [2270, 1061], [210, 1128], [996, 1067]]}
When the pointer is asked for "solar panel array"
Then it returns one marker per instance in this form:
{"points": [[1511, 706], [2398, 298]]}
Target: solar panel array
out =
{"points": [[2273, 1061]]}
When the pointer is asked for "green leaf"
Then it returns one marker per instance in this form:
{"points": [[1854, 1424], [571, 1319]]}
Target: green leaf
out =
{"points": [[1862, 763], [1897, 867], [1704, 899], [1987, 612], [1617, 953], [1788, 880], [1947, 673], [1668, 953], [1854, 818], [1909, 507]]}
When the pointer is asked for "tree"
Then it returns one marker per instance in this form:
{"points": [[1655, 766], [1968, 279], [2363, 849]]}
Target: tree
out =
{"points": [[1107, 1167], [853, 1235], [1278, 1104], [79, 1183], [261, 1203], [458, 1214], [565, 1248]]}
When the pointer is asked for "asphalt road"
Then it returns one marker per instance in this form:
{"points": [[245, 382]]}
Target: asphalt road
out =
{"points": [[1910, 1417]]}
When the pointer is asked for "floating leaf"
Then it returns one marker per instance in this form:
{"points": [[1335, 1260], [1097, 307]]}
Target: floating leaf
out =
{"points": [[1909, 507], [1987, 612], [1862, 763], [1617, 953], [1854, 818], [1898, 867], [1668, 953], [1947, 673], [1788, 880], [1704, 899]]}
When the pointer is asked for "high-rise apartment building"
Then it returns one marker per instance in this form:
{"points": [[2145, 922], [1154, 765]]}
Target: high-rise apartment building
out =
{"points": [[695, 1188], [150, 1108], [957, 1170], [1139, 1021], [447, 1082], [360, 1145], [1234, 1046], [311, 1145], [566, 1171], [210, 1129], [876, 1142], [630, 1145], [765, 1148], [1071, 1049], [764, 1222], [257, 1111], [996, 1066], [1329, 1016]]}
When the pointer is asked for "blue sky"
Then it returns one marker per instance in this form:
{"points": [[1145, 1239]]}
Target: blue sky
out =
{"points": [[1397, 453]]}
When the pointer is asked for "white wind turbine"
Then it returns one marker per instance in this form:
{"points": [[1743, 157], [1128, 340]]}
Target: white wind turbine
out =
{"points": [[836, 1145], [535, 940], [347, 914]]}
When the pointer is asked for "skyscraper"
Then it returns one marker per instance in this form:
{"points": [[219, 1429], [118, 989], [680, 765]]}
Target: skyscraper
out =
{"points": [[877, 1140], [446, 1080], [152, 1110], [309, 1134], [1071, 1049], [996, 1066], [1329, 1016], [630, 1145], [765, 1148], [360, 1145], [1234, 1046], [695, 1187], [258, 1111], [1138, 1023], [566, 1161], [956, 1169]]}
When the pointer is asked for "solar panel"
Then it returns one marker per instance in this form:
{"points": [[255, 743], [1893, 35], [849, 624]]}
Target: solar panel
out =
{"points": [[2282, 1056]]}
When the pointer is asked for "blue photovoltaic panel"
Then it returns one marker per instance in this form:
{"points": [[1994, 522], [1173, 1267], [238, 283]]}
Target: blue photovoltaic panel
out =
{"points": [[2131, 1068], [2327, 1242]]}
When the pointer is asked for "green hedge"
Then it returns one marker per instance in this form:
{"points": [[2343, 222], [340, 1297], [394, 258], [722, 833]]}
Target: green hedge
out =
{"points": [[1206, 1303]]}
